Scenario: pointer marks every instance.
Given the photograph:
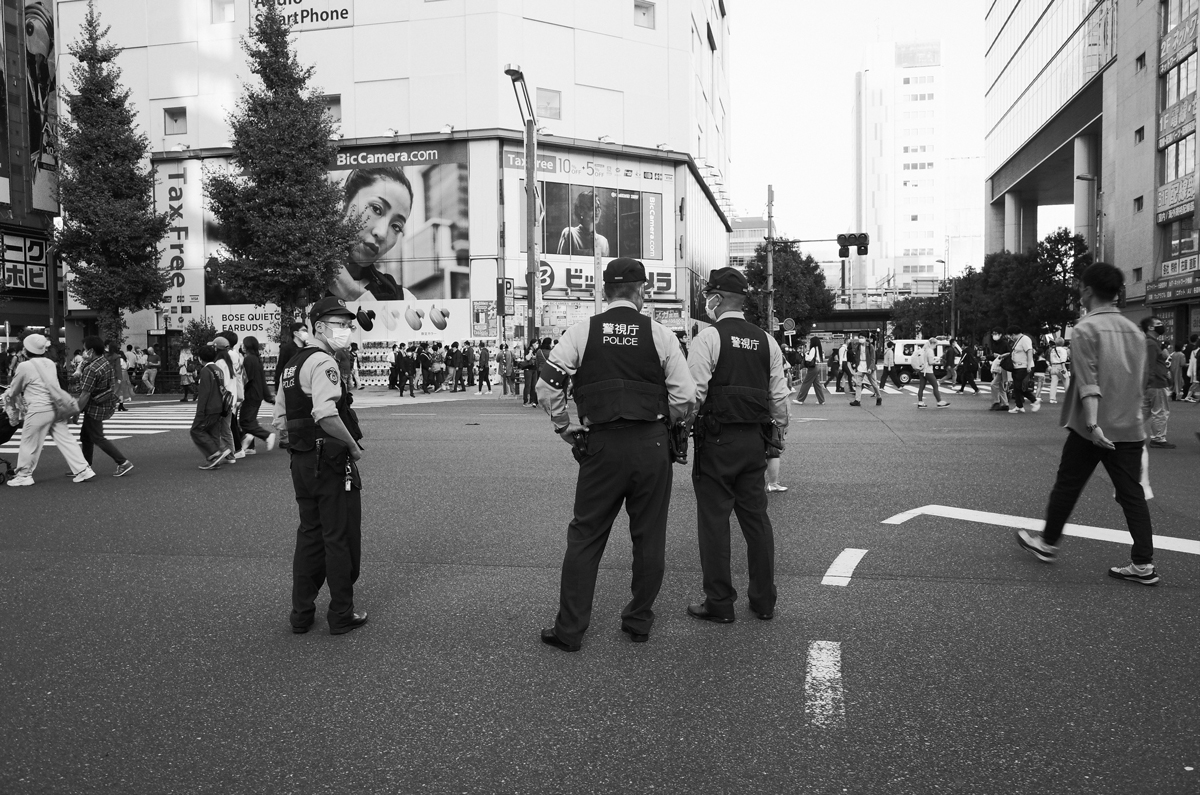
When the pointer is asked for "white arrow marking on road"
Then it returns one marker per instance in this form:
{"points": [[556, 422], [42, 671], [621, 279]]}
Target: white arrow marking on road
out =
{"points": [[1021, 522], [824, 703], [843, 567]]}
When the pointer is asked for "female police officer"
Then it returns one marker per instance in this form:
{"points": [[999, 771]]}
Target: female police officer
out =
{"points": [[313, 415]]}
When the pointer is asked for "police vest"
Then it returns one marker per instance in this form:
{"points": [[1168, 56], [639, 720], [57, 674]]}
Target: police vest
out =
{"points": [[739, 390], [303, 430], [621, 376]]}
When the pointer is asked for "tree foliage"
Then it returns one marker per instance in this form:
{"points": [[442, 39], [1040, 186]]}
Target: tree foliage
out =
{"points": [[925, 314], [110, 232], [800, 291], [198, 333], [282, 219]]}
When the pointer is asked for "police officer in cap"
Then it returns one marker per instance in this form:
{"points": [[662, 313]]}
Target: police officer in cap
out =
{"points": [[312, 412], [630, 380], [742, 393]]}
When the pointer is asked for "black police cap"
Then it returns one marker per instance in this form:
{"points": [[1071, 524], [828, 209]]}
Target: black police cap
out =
{"points": [[624, 270], [329, 305], [728, 280]]}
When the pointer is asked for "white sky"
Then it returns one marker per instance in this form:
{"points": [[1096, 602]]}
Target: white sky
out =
{"points": [[792, 90]]}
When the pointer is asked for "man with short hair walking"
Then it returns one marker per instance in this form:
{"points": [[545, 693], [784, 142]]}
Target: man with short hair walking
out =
{"points": [[1158, 384]]}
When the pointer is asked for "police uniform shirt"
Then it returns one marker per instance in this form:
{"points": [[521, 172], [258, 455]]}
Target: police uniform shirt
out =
{"points": [[702, 360], [567, 356], [318, 378]]}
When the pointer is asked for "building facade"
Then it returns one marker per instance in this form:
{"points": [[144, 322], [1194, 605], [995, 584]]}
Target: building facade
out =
{"points": [[632, 103], [748, 234], [31, 292], [1093, 104], [918, 164]]}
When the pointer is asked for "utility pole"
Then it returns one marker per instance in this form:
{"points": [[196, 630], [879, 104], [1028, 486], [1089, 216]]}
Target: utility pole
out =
{"points": [[532, 280], [770, 261]]}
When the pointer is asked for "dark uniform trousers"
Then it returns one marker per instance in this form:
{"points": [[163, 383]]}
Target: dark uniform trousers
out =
{"points": [[630, 465], [328, 540], [728, 476]]}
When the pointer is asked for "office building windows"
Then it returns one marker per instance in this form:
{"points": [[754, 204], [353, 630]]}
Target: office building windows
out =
{"points": [[1179, 159], [1175, 12], [1179, 83], [1138, 204], [1180, 238], [1139, 135], [1139, 63]]}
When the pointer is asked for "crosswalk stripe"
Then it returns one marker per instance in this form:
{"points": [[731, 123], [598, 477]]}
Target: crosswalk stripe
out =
{"points": [[137, 421]]}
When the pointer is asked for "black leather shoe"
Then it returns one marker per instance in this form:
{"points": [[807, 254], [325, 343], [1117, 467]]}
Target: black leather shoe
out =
{"points": [[855, 403], [763, 615], [356, 621], [636, 637], [302, 628], [551, 639], [701, 612]]}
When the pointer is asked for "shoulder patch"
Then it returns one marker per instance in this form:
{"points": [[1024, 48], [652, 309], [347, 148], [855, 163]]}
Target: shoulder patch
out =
{"points": [[332, 374]]}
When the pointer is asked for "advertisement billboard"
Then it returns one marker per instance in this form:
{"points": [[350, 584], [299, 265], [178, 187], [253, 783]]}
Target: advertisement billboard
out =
{"points": [[179, 192], [41, 80], [5, 196], [23, 260], [414, 244]]}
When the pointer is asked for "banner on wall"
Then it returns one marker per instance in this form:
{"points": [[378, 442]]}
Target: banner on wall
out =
{"points": [[483, 319], [402, 322], [41, 80], [5, 196], [179, 192], [411, 200], [564, 277]]}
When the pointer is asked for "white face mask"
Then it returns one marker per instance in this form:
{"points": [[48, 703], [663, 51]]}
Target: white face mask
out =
{"points": [[338, 338], [710, 307], [995, 338]]}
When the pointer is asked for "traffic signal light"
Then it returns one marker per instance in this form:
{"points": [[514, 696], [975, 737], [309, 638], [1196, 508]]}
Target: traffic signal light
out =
{"points": [[859, 241]]}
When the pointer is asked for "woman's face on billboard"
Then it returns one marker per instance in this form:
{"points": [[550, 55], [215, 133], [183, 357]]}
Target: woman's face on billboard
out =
{"points": [[383, 208]]}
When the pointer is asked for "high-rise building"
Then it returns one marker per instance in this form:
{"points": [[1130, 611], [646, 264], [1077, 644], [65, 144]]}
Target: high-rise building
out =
{"points": [[748, 234], [1093, 104], [918, 162], [632, 104]]}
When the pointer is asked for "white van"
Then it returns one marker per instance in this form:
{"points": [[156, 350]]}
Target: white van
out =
{"points": [[906, 356]]}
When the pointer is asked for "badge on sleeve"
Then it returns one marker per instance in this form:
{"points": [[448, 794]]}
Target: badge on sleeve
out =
{"points": [[332, 375]]}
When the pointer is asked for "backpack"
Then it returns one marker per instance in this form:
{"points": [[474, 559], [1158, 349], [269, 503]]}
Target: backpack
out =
{"points": [[226, 395], [191, 367]]}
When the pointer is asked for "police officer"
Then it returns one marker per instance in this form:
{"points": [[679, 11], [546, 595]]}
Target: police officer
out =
{"points": [[312, 411], [742, 393], [630, 379]]}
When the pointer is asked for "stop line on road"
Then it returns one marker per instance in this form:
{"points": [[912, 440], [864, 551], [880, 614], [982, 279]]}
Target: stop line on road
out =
{"points": [[1185, 545]]}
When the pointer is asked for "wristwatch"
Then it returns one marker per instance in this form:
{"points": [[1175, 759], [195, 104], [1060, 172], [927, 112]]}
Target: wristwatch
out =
{"points": [[1091, 428], [558, 431]]}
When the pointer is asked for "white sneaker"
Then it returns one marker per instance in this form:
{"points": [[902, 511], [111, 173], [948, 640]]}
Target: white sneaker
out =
{"points": [[249, 451], [776, 487], [798, 402], [239, 454], [1015, 410], [247, 440], [271, 442], [1035, 406], [943, 404], [1032, 542], [84, 476], [21, 480]]}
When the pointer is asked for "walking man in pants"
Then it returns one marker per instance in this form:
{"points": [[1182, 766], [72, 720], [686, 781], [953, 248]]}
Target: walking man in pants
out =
{"points": [[1102, 413], [98, 402], [1158, 381]]}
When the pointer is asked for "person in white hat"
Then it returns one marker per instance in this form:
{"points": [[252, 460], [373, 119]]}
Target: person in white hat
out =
{"points": [[35, 382]]}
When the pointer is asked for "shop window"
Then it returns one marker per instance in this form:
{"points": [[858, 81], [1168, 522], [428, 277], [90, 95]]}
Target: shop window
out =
{"points": [[174, 121]]}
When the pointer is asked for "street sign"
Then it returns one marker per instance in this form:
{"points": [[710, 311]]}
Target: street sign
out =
{"points": [[789, 325], [505, 297]]}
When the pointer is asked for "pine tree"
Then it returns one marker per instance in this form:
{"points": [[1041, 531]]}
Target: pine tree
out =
{"points": [[282, 218], [110, 232]]}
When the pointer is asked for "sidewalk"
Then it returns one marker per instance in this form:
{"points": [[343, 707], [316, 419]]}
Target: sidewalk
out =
{"points": [[376, 397]]}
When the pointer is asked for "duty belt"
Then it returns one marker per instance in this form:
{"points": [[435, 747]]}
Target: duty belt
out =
{"points": [[613, 425]]}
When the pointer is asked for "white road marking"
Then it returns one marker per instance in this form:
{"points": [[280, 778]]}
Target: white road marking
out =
{"points": [[843, 567], [1170, 543], [824, 703], [422, 414]]}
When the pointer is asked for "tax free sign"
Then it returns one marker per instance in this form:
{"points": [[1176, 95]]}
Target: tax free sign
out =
{"points": [[311, 14]]}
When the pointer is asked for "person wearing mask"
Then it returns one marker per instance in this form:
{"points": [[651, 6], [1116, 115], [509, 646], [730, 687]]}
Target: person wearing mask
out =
{"points": [[1157, 384], [454, 367], [224, 363], [621, 444], [968, 366], [484, 363], [97, 402], [862, 361], [1058, 356], [425, 364], [1103, 418], [889, 365], [814, 361], [153, 362], [996, 348], [296, 340], [529, 396], [187, 372], [844, 368], [207, 425], [926, 359], [313, 414], [742, 398], [256, 393], [35, 384], [406, 369], [1022, 372]]}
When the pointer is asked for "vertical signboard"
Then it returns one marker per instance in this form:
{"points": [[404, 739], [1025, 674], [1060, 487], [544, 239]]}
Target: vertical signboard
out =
{"points": [[179, 192], [41, 80], [5, 196], [24, 263]]}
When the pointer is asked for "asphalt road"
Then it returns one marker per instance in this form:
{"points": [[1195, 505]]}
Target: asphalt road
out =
{"points": [[147, 650]]}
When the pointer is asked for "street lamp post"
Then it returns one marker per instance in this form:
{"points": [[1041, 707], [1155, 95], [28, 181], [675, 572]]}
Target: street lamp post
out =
{"points": [[531, 210]]}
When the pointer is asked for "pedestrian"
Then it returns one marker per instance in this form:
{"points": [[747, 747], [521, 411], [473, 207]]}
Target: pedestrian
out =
{"points": [[455, 364], [35, 387], [950, 360], [312, 411], [424, 362], [224, 362], [1022, 364], [926, 362], [297, 338], [889, 365], [187, 372], [98, 402], [968, 365], [528, 366], [814, 361], [1177, 373], [1058, 356], [394, 367], [742, 398], [352, 361], [862, 361], [792, 360], [509, 371], [439, 367], [469, 361], [833, 369], [484, 359], [1104, 425], [844, 369], [150, 374], [256, 393], [1157, 384], [623, 452], [1194, 375], [996, 349], [207, 431]]}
